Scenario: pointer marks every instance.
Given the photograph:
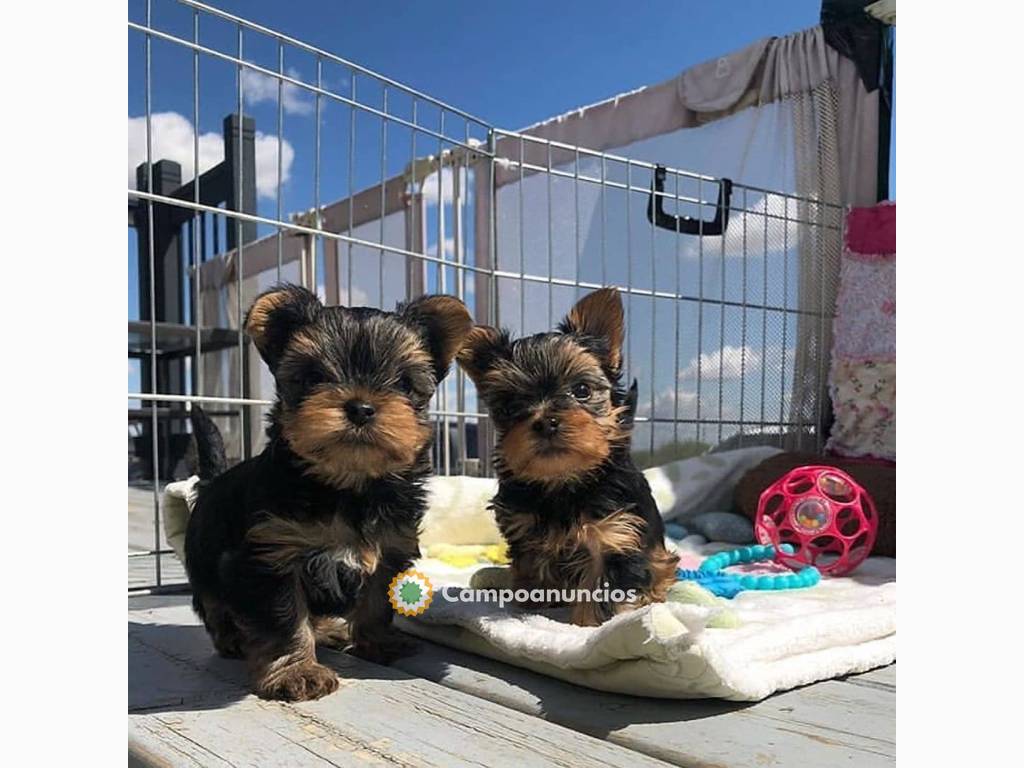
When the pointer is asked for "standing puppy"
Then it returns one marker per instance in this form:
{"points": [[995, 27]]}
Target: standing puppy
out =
{"points": [[575, 511], [316, 526]]}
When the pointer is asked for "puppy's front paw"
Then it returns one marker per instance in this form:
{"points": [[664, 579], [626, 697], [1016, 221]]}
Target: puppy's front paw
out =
{"points": [[492, 577], [300, 682], [384, 647]]}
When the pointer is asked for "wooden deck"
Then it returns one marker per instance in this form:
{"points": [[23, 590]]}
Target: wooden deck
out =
{"points": [[142, 538], [441, 707]]}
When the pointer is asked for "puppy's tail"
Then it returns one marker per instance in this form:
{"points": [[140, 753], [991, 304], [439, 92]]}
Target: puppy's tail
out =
{"points": [[210, 459]]}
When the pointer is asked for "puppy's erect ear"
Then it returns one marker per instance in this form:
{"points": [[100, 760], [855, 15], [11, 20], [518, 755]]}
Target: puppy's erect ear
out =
{"points": [[482, 348], [599, 317], [444, 322], [276, 315]]}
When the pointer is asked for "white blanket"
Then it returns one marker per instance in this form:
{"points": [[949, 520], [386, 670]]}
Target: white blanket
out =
{"points": [[786, 638]]}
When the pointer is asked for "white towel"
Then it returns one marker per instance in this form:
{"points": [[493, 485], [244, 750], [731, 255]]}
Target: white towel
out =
{"points": [[786, 639]]}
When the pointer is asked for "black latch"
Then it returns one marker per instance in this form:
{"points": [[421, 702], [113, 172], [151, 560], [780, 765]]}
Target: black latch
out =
{"points": [[685, 225]]}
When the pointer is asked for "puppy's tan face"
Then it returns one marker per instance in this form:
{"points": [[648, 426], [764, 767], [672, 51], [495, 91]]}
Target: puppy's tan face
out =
{"points": [[550, 395], [551, 404], [354, 384], [354, 394]]}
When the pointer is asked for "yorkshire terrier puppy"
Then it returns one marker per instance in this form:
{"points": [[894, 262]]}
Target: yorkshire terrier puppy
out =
{"points": [[575, 511], [283, 546]]}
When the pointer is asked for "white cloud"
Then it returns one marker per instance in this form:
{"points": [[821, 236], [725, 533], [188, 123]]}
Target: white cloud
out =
{"points": [[266, 164], [449, 248], [358, 297], [770, 359], [174, 139], [258, 87], [737, 361], [429, 186], [732, 361], [746, 233]]}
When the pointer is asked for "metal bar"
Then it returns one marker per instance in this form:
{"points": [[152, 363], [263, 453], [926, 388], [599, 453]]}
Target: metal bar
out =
{"points": [[153, 375], [820, 346], [492, 236], [280, 161], [629, 277], [286, 79], [157, 398], [149, 553], [675, 355], [453, 414], [485, 442], [351, 180], [325, 54], [197, 216], [646, 191], [721, 334], [551, 246], [785, 323], [169, 589], [522, 250], [383, 189], [442, 283], [524, 137], [654, 321], [764, 314], [710, 422], [700, 310], [414, 207], [460, 291], [240, 204], [317, 215], [604, 224], [743, 321], [291, 226], [576, 216]]}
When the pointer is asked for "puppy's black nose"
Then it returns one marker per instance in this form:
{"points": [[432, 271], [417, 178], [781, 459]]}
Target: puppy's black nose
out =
{"points": [[359, 412], [546, 426]]}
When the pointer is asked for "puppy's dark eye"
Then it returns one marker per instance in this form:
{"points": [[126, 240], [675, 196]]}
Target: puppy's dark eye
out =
{"points": [[581, 391], [313, 377], [405, 385]]}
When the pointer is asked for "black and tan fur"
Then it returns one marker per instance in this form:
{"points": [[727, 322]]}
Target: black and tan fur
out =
{"points": [[574, 509], [282, 547]]}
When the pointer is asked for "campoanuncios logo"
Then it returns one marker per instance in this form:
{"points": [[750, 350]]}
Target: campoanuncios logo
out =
{"points": [[410, 593]]}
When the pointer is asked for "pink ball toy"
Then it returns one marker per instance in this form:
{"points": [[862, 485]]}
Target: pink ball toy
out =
{"points": [[823, 514]]}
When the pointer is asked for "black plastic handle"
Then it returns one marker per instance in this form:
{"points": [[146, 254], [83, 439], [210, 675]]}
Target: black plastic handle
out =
{"points": [[685, 225]]}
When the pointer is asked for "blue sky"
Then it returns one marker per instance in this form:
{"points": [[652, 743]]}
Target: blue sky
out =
{"points": [[517, 63], [509, 64]]}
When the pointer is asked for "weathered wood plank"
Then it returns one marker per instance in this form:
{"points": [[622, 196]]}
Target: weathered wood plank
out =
{"points": [[836, 721], [823, 724], [884, 678], [188, 707]]}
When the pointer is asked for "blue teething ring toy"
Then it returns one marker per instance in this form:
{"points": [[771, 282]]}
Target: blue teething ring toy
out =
{"points": [[712, 576]]}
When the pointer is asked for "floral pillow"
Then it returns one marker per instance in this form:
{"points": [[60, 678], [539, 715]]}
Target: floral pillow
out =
{"points": [[863, 376]]}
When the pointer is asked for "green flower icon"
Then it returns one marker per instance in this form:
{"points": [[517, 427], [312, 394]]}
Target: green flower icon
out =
{"points": [[410, 593]]}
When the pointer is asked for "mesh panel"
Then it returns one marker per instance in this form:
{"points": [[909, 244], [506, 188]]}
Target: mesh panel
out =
{"points": [[728, 336]]}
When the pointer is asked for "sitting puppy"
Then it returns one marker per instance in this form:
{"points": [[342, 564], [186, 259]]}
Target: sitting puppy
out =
{"points": [[575, 511], [316, 526]]}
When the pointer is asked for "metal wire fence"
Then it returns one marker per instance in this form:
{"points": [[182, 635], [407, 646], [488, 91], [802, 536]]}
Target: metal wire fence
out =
{"points": [[398, 194]]}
